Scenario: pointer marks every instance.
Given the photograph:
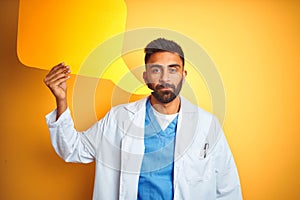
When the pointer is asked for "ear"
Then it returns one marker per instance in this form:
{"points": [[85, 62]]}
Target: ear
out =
{"points": [[184, 73], [145, 77]]}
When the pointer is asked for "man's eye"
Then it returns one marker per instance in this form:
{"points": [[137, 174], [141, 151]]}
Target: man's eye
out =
{"points": [[172, 70], [155, 70]]}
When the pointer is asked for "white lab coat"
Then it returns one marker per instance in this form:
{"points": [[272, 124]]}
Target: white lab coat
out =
{"points": [[116, 144]]}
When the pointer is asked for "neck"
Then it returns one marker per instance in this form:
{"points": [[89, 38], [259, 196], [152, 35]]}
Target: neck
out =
{"points": [[166, 108]]}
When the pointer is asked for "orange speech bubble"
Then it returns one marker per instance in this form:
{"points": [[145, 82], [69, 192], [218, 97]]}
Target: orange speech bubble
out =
{"points": [[50, 32]]}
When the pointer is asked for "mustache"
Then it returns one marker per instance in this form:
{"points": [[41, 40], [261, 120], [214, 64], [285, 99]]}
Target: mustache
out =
{"points": [[165, 85]]}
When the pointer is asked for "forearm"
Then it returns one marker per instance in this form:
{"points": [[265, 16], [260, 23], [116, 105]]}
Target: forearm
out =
{"points": [[62, 106], [67, 142], [228, 183]]}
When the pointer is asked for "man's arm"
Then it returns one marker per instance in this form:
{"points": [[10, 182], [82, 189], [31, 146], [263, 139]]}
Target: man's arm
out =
{"points": [[69, 144], [56, 82], [228, 183]]}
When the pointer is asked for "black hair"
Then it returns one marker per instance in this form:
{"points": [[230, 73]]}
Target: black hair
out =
{"points": [[163, 45]]}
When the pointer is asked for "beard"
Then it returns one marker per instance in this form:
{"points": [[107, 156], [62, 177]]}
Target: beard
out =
{"points": [[168, 95]]}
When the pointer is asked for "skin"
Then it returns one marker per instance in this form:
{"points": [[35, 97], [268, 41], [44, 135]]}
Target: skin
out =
{"points": [[56, 82], [165, 69], [164, 72]]}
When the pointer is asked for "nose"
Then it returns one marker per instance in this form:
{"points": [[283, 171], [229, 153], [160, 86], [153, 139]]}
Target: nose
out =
{"points": [[164, 77]]}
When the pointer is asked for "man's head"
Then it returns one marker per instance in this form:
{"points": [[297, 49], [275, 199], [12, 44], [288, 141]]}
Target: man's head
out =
{"points": [[163, 45], [164, 60]]}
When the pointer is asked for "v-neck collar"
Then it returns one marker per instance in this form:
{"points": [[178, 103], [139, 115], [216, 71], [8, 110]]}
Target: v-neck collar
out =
{"points": [[155, 126]]}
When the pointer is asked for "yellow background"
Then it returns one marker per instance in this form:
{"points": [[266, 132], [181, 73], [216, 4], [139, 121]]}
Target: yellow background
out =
{"points": [[255, 46]]}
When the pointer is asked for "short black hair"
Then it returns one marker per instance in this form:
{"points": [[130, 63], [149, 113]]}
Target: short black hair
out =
{"points": [[163, 45]]}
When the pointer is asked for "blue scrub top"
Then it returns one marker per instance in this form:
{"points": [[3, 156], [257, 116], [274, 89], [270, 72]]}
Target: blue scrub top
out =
{"points": [[156, 175]]}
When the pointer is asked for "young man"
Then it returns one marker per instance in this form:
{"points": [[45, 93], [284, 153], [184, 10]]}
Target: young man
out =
{"points": [[160, 147]]}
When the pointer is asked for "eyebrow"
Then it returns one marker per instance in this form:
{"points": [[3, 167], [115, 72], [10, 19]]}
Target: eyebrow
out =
{"points": [[174, 65], [160, 66]]}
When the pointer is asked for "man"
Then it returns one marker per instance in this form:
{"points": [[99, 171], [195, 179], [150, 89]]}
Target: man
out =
{"points": [[160, 147]]}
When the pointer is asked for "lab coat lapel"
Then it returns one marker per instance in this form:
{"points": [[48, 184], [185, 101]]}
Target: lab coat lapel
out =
{"points": [[132, 149], [186, 128], [132, 146]]}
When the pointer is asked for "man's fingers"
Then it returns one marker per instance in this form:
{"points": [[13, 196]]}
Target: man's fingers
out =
{"points": [[58, 72], [56, 77], [57, 68], [57, 82]]}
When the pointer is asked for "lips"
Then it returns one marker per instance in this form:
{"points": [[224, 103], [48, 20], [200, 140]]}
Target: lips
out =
{"points": [[165, 89]]}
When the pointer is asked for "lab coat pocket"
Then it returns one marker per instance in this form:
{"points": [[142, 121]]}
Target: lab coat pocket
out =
{"points": [[198, 170], [199, 178]]}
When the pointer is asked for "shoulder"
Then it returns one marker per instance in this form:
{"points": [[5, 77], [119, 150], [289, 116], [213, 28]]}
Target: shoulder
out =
{"points": [[128, 108], [202, 115], [208, 124]]}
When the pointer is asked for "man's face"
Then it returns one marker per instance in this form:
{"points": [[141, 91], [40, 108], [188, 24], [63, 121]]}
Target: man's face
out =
{"points": [[164, 75]]}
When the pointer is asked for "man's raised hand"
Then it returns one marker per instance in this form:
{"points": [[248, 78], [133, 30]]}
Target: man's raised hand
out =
{"points": [[56, 82]]}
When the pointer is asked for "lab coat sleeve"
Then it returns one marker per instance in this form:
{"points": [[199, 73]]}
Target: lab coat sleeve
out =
{"points": [[228, 184], [70, 145]]}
